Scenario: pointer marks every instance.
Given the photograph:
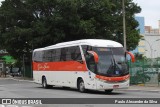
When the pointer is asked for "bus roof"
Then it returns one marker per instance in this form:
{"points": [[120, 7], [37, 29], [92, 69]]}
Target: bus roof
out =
{"points": [[91, 42]]}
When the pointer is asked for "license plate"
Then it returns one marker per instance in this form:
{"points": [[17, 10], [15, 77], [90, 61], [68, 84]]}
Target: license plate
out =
{"points": [[115, 86]]}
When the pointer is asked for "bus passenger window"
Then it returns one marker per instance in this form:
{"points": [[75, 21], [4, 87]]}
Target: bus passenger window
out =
{"points": [[63, 54], [75, 53], [38, 56], [53, 55], [58, 55]]}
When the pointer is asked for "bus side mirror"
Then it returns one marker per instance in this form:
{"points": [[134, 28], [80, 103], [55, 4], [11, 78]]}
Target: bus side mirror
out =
{"points": [[132, 56], [95, 55]]}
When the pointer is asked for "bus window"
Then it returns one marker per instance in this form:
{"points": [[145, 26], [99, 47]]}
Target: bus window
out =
{"points": [[57, 55], [63, 54], [86, 48], [38, 56], [89, 58], [90, 62], [53, 55], [71, 54], [47, 56], [75, 53]]}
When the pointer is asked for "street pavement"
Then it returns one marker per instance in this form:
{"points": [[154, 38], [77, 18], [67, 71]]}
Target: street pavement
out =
{"points": [[26, 88], [140, 87]]}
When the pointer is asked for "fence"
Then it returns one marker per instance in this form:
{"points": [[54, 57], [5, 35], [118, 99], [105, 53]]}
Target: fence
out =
{"points": [[145, 72]]}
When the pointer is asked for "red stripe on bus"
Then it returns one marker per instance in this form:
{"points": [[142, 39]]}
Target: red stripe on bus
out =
{"points": [[113, 79], [59, 66]]}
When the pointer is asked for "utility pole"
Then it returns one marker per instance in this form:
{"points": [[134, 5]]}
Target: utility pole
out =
{"points": [[124, 25]]}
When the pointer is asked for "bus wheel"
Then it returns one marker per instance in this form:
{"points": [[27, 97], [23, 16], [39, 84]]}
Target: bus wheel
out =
{"points": [[108, 91], [44, 83], [81, 86]]}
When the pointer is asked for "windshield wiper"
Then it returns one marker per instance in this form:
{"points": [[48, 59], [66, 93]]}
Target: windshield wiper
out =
{"points": [[113, 60], [115, 66]]}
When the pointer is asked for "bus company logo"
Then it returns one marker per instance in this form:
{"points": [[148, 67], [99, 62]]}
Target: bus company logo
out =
{"points": [[43, 66], [6, 101]]}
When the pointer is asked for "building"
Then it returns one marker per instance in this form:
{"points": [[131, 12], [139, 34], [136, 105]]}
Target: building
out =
{"points": [[152, 45], [141, 46], [150, 30], [152, 41], [141, 24]]}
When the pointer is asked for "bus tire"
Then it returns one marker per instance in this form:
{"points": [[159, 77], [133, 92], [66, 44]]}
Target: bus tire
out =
{"points": [[108, 91], [81, 86], [44, 83]]}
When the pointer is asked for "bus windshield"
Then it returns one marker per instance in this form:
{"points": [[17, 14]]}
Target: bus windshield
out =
{"points": [[112, 61]]}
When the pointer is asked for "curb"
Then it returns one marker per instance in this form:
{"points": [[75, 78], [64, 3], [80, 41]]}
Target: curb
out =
{"points": [[21, 80], [18, 79], [140, 90]]}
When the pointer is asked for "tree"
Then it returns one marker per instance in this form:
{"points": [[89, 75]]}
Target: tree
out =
{"points": [[140, 57], [8, 59], [15, 27], [29, 24]]}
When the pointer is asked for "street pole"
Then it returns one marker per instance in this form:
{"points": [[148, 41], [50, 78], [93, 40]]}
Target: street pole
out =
{"points": [[24, 69], [150, 46], [124, 25]]}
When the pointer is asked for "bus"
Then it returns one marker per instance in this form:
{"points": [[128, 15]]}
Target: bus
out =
{"points": [[93, 64]]}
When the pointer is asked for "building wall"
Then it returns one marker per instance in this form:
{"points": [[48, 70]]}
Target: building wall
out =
{"points": [[141, 46], [141, 24], [152, 45], [150, 30], [148, 45], [159, 26]]}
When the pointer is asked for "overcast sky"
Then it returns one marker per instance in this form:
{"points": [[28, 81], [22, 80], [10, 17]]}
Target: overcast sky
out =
{"points": [[150, 11]]}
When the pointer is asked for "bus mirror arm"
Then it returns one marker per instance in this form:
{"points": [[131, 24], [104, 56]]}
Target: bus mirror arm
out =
{"points": [[95, 55], [132, 56]]}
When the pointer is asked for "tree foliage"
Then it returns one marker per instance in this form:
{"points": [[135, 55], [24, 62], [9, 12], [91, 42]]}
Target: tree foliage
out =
{"points": [[9, 60], [30, 24]]}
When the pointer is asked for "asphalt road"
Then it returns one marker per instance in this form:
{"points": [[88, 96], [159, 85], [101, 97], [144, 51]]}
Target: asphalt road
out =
{"points": [[10, 88]]}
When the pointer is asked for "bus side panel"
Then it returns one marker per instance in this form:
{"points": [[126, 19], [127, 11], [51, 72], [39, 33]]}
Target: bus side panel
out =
{"points": [[37, 77], [49, 75], [89, 80], [59, 73], [69, 79], [65, 78], [59, 78]]}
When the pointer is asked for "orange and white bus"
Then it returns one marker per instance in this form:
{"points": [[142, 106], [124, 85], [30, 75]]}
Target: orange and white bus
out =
{"points": [[94, 64]]}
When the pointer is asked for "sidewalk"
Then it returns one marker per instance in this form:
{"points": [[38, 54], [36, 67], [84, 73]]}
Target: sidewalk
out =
{"points": [[143, 88], [18, 78]]}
